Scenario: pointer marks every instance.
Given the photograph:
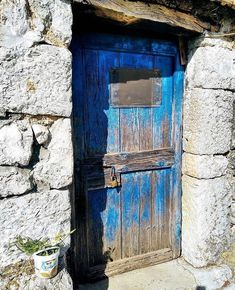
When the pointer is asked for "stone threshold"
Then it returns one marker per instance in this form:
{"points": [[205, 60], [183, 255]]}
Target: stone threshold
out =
{"points": [[173, 275]]}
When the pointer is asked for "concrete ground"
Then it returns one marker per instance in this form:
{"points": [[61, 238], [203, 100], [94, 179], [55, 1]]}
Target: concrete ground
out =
{"points": [[173, 275]]}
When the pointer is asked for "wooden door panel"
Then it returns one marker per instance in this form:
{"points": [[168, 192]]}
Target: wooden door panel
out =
{"points": [[138, 222]]}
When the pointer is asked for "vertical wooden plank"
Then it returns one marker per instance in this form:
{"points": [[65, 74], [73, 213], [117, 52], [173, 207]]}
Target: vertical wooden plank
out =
{"points": [[145, 212], [111, 218], [145, 129], [157, 212], [102, 123], [162, 115], [165, 222], [103, 226], [96, 204], [160, 209], [96, 120], [129, 129], [145, 114], [176, 211], [107, 61], [130, 215], [135, 123]]}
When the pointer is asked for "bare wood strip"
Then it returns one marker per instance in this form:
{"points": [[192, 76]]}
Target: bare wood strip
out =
{"points": [[153, 12], [127, 161], [129, 264], [98, 169]]}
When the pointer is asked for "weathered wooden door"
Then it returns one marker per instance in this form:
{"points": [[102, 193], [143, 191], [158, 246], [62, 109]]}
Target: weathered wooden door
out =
{"points": [[127, 124]]}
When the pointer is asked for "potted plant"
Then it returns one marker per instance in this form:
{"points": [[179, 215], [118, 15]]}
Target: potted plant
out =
{"points": [[45, 253]]}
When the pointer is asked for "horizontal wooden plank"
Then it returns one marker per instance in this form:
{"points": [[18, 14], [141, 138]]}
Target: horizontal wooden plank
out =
{"points": [[129, 12], [129, 264], [123, 43], [135, 161], [97, 170]]}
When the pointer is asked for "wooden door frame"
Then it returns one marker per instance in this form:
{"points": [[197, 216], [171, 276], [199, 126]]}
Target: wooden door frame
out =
{"points": [[175, 206]]}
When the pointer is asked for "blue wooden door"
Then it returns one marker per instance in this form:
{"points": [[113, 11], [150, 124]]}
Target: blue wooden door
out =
{"points": [[124, 135]]}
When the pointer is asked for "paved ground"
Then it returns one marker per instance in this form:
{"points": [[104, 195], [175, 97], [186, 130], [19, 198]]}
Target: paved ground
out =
{"points": [[167, 276], [174, 275]]}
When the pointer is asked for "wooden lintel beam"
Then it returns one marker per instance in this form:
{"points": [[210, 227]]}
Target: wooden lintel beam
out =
{"points": [[130, 12]]}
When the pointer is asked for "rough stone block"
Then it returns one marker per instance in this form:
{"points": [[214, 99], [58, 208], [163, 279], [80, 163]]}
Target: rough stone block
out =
{"points": [[36, 215], [233, 186], [211, 68], [203, 41], [204, 166], [62, 281], [233, 126], [205, 222], [16, 140], [207, 121], [232, 213], [210, 278], [233, 234], [24, 23], [231, 157], [14, 181], [37, 81], [41, 133], [55, 168]]}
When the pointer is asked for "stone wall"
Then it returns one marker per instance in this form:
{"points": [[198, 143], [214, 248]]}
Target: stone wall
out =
{"points": [[207, 143], [36, 156], [232, 172]]}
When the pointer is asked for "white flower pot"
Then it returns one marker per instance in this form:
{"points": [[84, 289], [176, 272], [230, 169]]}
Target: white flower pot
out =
{"points": [[46, 266]]}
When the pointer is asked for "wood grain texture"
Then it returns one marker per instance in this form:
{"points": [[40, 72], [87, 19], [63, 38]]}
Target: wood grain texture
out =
{"points": [[130, 215], [145, 213], [129, 264], [162, 123], [111, 217], [129, 12], [142, 160], [98, 168]]}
